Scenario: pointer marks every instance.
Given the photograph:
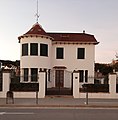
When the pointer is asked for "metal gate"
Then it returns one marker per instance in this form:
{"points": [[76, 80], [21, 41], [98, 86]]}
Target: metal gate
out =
{"points": [[0, 80], [59, 82]]}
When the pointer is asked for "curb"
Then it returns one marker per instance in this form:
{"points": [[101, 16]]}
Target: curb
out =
{"points": [[57, 106]]}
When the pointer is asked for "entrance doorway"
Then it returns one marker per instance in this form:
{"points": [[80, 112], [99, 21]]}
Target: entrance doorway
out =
{"points": [[60, 82], [59, 79]]}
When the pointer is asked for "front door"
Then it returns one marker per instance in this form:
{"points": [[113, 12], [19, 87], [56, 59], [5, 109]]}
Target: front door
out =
{"points": [[59, 79]]}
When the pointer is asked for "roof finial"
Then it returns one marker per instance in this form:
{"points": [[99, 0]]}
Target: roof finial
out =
{"points": [[37, 13]]}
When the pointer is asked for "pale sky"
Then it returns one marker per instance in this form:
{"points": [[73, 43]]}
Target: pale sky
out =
{"points": [[97, 17]]}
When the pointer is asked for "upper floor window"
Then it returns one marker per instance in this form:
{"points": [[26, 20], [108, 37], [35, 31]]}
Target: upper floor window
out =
{"points": [[34, 49], [81, 53], [25, 49], [43, 50], [59, 53]]}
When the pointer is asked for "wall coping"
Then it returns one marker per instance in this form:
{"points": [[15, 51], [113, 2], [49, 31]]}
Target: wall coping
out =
{"points": [[7, 71], [112, 73]]}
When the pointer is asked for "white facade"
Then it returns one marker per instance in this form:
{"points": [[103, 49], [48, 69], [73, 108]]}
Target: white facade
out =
{"points": [[36, 61], [70, 57]]}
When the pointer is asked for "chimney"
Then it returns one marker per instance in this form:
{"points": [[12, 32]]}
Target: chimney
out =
{"points": [[84, 31]]}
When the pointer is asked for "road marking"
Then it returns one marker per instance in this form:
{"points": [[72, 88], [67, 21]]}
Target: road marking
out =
{"points": [[16, 113], [2, 113]]}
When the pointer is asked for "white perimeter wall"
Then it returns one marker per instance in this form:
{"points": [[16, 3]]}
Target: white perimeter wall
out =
{"points": [[112, 89], [76, 94], [6, 86]]}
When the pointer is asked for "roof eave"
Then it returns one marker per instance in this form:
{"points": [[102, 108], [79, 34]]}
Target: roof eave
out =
{"points": [[96, 43], [74, 42], [34, 35]]}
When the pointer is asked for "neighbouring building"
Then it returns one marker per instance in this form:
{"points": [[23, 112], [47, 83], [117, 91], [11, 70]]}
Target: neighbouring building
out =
{"points": [[58, 54], [114, 61]]}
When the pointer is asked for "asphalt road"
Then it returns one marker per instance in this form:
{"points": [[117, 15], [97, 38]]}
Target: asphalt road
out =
{"points": [[58, 114]]}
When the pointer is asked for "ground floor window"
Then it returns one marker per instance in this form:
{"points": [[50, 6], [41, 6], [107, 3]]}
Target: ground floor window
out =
{"points": [[83, 75], [26, 72], [34, 74], [49, 71], [30, 74], [86, 75]]}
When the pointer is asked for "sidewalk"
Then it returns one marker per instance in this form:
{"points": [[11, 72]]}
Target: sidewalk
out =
{"points": [[63, 101]]}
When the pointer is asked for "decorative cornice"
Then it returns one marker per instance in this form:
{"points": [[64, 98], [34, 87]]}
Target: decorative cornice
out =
{"points": [[74, 43], [33, 35]]}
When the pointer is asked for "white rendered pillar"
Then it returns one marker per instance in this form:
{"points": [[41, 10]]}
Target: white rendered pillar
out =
{"points": [[112, 83], [42, 78], [76, 84], [6, 82]]}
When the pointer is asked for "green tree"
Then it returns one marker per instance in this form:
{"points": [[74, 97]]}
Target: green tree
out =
{"points": [[105, 69], [115, 66]]}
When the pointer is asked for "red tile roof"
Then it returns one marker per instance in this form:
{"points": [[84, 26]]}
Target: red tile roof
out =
{"points": [[73, 37], [69, 37], [36, 29]]}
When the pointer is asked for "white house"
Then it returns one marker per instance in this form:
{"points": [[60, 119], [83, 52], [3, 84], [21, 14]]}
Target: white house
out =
{"points": [[58, 54]]}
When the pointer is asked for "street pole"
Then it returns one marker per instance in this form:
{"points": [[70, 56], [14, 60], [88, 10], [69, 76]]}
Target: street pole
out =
{"points": [[87, 97], [36, 97]]}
